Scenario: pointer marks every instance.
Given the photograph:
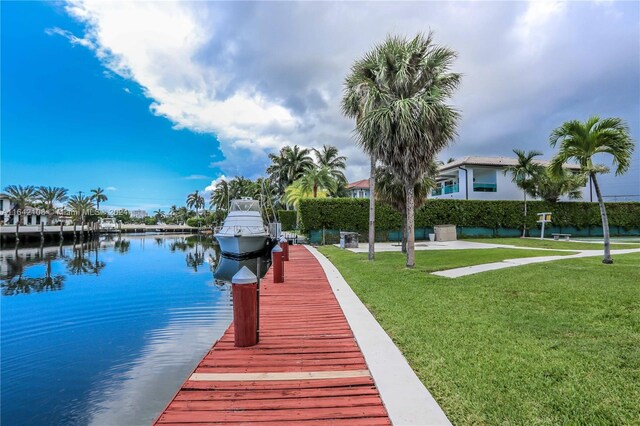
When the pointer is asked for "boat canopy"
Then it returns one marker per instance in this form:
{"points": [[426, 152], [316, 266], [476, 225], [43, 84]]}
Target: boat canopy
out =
{"points": [[245, 205]]}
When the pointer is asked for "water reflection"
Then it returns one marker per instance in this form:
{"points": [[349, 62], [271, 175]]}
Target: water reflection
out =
{"points": [[228, 267], [106, 330]]}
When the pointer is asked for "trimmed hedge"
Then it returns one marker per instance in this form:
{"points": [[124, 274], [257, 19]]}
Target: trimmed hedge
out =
{"points": [[288, 219], [352, 214]]}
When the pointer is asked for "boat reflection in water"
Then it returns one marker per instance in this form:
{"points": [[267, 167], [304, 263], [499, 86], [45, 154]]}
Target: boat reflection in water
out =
{"points": [[228, 267]]}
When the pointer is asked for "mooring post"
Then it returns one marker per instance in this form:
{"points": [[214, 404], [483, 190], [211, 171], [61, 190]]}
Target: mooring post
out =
{"points": [[244, 287], [41, 230], [277, 262], [284, 245]]}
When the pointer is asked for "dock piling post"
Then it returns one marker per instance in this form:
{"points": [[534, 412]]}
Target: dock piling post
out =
{"points": [[284, 245], [277, 261], [244, 286]]}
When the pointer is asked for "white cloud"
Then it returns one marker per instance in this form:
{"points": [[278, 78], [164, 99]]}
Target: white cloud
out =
{"points": [[214, 183], [196, 177], [262, 74], [69, 36], [156, 45], [111, 188]]}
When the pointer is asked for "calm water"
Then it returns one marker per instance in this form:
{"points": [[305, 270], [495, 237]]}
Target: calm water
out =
{"points": [[105, 332]]}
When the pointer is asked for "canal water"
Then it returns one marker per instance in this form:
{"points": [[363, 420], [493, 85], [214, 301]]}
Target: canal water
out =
{"points": [[105, 332]]}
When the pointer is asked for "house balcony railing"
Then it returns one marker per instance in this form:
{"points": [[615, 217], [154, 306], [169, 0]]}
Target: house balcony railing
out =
{"points": [[446, 189], [484, 187]]}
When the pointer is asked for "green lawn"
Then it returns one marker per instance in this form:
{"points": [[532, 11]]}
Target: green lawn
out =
{"points": [[439, 260], [550, 243], [553, 343]]}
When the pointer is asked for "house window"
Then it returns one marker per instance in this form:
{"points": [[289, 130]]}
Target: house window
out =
{"points": [[1, 205], [484, 180]]}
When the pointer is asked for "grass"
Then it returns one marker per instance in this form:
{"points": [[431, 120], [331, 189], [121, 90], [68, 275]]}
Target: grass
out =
{"points": [[550, 243], [553, 343]]}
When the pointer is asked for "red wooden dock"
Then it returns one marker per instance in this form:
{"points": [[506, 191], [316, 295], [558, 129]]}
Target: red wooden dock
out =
{"points": [[307, 368]]}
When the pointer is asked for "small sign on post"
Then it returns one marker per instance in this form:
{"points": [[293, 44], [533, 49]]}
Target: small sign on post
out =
{"points": [[543, 218]]}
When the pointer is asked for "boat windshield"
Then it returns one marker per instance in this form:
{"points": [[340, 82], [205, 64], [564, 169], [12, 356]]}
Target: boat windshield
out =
{"points": [[245, 206]]}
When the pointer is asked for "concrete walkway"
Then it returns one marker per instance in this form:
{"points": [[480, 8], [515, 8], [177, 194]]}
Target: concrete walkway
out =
{"points": [[509, 263], [406, 399], [447, 245]]}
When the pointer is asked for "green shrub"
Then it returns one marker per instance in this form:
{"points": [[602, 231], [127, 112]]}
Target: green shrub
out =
{"points": [[288, 219], [352, 214]]}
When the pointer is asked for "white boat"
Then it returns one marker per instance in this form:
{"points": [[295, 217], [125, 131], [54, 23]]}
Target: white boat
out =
{"points": [[243, 232], [108, 224]]}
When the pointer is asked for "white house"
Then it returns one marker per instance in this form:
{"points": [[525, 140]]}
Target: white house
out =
{"points": [[29, 216], [483, 178], [359, 189]]}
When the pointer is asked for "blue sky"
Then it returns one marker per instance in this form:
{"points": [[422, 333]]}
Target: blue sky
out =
{"points": [[157, 99], [67, 121]]}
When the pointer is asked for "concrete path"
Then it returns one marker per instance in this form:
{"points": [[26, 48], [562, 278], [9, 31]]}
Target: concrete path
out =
{"points": [[446, 245], [406, 399], [509, 263]]}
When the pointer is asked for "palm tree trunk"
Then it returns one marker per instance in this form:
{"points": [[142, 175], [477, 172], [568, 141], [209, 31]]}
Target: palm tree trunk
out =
{"points": [[404, 231], [315, 191], [524, 226], [605, 222], [411, 254], [17, 228], [372, 209]]}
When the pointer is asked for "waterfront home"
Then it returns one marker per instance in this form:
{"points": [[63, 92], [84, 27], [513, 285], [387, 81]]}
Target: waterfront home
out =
{"points": [[359, 189], [483, 178], [29, 216]]}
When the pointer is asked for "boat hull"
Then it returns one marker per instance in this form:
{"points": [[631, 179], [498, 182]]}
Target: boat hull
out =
{"points": [[242, 246]]}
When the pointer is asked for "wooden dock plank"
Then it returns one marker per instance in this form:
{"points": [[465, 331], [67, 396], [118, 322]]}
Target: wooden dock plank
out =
{"points": [[307, 368]]}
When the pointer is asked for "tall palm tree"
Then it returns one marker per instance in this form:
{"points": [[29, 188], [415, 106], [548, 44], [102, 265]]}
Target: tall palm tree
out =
{"points": [[81, 205], [20, 196], [581, 142], [49, 195], [391, 191], [317, 178], [361, 96], [158, 214], [550, 187], [329, 157], [220, 196], [289, 165], [173, 213], [523, 174], [195, 201], [408, 122], [98, 196], [241, 187]]}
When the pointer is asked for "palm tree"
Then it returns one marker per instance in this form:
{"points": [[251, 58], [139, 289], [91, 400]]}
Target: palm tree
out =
{"points": [[295, 192], [407, 121], [158, 214], [49, 195], [98, 196], [328, 156], [220, 196], [81, 205], [522, 174], [289, 165], [361, 96], [391, 191], [173, 213], [195, 201], [315, 178], [20, 197], [241, 187], [551, 187], [581, 142]]}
